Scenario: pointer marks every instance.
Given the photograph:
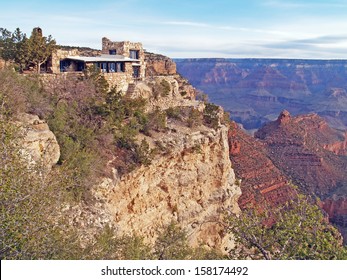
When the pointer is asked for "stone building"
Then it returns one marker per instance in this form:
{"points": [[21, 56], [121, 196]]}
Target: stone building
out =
{"points": [[120, 62], [127, 49]]}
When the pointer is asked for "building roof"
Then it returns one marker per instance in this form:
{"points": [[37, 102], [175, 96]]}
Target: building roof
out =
{"points": [[103, 58]]}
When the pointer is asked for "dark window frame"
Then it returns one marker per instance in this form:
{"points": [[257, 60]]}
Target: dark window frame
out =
{"points": [[134, 54]]}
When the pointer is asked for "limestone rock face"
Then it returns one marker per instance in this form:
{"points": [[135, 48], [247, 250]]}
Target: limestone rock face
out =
{"points": [[157, 65], [164, 92], [39, 144], [192, 185]]}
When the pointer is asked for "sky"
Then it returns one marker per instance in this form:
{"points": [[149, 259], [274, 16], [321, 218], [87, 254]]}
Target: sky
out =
{"points": [[311, 29]]}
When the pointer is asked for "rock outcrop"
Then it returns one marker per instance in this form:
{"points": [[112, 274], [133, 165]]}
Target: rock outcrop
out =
{"points": [[261, 181], [193, 185], [159, 65], [313, 156], [165, 92], [39, 144]]}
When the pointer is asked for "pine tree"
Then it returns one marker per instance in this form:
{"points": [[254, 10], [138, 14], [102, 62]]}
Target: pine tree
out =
{"points": [[40, 48]]}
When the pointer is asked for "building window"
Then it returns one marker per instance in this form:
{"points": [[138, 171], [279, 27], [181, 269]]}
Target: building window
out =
{"points": [[65, 65], [136, 71], [134, 54], [120, 66], [112, 52], [103, 67], [112, 67]]}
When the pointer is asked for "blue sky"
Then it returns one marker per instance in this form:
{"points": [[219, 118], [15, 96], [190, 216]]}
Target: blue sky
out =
{"points": [[192, 28]]}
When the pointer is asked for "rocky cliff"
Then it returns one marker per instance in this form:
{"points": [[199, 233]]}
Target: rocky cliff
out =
{"points": [[157, 65], [189, 181], [312, 154], [255, 91], [192, 184], [39, 145]]}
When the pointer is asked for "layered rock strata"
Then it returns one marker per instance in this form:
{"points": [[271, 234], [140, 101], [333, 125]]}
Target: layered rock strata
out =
{"points": [[261, 181], [313, 155]]}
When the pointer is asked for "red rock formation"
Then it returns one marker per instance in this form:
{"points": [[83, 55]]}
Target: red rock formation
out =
{"points": [[283, 118], [261, 180], [307, 150], [336, 207], [338, 148], [313, 155]]}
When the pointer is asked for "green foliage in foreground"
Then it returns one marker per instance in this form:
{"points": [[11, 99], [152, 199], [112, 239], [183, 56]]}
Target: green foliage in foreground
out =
{"points": [[298, 230], [30, 200]]}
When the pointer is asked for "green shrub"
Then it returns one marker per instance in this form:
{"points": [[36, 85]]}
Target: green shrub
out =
{"points": [[211, 115], [165, 88], [297, 230], [174, 113], [195, 118]]}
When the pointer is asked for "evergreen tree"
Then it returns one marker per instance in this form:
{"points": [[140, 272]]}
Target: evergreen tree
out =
{"points": [[40, 48]]}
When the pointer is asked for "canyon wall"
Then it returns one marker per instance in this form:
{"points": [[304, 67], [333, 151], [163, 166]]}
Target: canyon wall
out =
{"points": [[192, 185], [313, 156], [189, 181], [255, 91]]}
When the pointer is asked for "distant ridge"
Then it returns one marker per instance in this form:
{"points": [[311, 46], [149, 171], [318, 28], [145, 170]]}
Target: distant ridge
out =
{"points": [[256, 90]]}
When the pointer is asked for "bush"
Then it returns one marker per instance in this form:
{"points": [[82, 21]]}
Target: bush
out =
{"points": [[195, 118], [211, 115], [31, 198], [297, 230], [161, 89], [174, 113], [157, 120]]}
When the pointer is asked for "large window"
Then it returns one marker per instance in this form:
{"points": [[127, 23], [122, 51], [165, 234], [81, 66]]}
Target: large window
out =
{"points": [[134, 54], [111, 67], [65, 65], [136, 71], [103, 67], [120, 66]]}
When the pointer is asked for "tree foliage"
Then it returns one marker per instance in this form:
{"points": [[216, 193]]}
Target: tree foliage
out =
{"points": [[30, 201], [26, 52], [297, 230], [39, 48]]}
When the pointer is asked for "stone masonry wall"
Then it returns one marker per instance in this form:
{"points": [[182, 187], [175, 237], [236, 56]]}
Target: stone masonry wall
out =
{"points": [[123, 48]]}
